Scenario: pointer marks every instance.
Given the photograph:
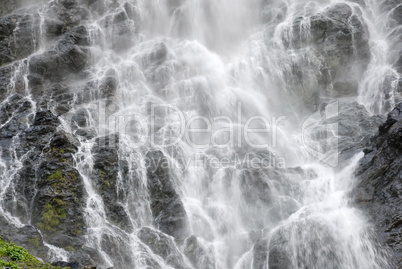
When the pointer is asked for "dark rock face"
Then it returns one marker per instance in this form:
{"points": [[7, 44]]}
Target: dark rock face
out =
{"points": [[345, 49], [106, 173], [355, 127], [49, 191], [67, 57], [58, 198], [379, 192], [167, 209], [163, 246], [70, 54], [338, 37], [72, 265], [5, 75], [17, 42]]}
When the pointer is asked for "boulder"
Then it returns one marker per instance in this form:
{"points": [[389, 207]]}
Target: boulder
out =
{"points": [[277, 259], [158, 54]]}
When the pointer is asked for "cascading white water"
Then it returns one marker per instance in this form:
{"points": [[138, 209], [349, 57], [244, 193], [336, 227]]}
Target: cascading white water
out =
{"points": [[381, 80], [222, 62]]}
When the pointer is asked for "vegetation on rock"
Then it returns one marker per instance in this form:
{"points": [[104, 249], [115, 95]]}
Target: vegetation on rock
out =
{"points": [[52, 215], [17, 257]]}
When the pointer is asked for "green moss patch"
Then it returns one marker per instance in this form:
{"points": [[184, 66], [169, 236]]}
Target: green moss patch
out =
{"points": [[34, 241], [58, 175], [52, 215], [63, 181], [17, 257]]}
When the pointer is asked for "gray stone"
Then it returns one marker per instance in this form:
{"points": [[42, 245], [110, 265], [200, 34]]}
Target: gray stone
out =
{"points": [[167, 208], [379, 191], [164, 246]]}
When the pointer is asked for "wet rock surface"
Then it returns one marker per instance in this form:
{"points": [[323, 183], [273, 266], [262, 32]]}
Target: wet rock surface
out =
{"points": [[393, 9], [67, 57], [63, 16], [106, 176], [28, 236], [285, 237], [349, 126], [260, 255], [258, 187], [49, 191], [199, 255], [18, 35], [58, 193], [338, 41], [72, 265], [167, 208], [164, 246], [379, 191]]}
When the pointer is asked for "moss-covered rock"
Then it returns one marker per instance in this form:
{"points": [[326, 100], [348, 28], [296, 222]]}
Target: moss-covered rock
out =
{"points": [[107, 167], [47, 191], [16, 257]]}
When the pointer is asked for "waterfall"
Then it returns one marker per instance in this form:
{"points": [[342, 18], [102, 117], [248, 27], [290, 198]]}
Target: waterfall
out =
{"points": [[203, 133]]}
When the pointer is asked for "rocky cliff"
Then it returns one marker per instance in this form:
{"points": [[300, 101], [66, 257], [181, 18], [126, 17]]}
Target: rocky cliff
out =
{"points": [[379, 191], [68, 190]]}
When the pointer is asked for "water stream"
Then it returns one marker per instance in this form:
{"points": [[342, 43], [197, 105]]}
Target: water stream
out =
{"points": [[211, 85]]}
